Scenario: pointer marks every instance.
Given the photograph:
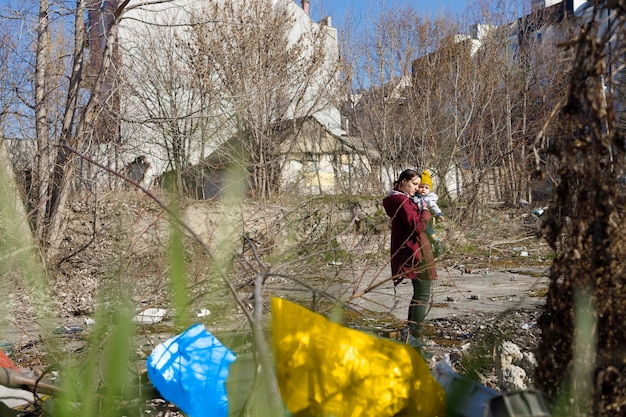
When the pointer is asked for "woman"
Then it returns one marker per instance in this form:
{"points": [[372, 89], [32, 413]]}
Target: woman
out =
{"points": [[411, 253]]}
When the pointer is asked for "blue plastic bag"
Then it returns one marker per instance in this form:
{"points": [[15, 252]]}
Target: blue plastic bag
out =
{"points": [[190, 370]]}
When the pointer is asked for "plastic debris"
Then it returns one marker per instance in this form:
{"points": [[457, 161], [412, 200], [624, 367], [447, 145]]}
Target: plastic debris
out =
{"points": [[444, 364], [149, 316], [190, 370], [6, 362], [68, 330], [519, 403], [203, 312], [16, 388], [324, 368], [466, 398], [7, 348]]}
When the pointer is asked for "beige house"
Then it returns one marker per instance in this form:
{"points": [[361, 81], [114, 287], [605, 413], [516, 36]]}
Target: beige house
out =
{"points": [[315, 161], [311, 160]]}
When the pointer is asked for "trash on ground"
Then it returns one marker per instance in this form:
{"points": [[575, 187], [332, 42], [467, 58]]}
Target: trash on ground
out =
{"points": [[7, 348], [149, 316], [190, 370], [326, 368], [467, 398], [6, 362], [203, 312], [17, 389], [539, 211], [68, 330], [519, 403]]}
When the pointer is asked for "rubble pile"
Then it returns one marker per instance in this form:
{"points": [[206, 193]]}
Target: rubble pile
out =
{"points": [[499, 349]]}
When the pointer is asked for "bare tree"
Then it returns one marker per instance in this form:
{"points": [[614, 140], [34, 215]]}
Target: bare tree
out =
{"points": [[166, 113], [380, 77], [474, 102], [265, 66], [456, 85], [66, 104], [43, 57], [78, 127], [533, 82]]}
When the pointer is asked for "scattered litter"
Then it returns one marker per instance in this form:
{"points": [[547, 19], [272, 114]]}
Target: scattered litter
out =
{"points": [[16, 388], [539, 212], [475, 297], [523, 253], [190, 370], [528, 326], [203, 312], [15, 397], [68, 330], [6, 362], [89, 321], [336, 263], [451, 299], [519, 403], [470, 397], [7, 348], [150, 316], [444, 364]]}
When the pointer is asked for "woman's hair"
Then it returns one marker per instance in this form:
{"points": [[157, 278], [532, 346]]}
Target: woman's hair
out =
{"points": [[407, 174]]}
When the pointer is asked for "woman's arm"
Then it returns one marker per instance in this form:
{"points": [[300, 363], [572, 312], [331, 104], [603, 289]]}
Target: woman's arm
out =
{"points": [[411, 215]]}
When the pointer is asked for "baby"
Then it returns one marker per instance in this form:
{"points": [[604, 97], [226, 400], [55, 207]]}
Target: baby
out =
{"points": [[430, 200]]}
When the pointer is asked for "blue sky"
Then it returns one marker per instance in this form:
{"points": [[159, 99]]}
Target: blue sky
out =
{"points": [[367, 10], [427, 6], [337, 9]]}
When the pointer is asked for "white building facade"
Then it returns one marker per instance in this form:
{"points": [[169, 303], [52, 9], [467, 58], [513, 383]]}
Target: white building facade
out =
{"points": [[166, 118]]}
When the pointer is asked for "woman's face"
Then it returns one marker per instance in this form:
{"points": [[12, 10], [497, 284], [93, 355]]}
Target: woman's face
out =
{"points": [[410, 186]]}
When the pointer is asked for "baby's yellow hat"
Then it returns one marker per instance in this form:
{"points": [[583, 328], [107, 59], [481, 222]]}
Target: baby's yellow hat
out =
{"points": [[426, 178]]}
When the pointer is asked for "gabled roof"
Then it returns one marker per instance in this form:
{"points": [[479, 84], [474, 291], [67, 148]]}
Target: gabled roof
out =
{"points": [[308, 131]]}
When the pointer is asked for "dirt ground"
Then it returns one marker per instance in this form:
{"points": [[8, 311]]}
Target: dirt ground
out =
{"points": [[456, 292], [467, 304], [491, 281]]}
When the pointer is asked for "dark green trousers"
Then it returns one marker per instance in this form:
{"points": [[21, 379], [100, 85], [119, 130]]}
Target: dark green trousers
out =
{"points": [[419, 306]]}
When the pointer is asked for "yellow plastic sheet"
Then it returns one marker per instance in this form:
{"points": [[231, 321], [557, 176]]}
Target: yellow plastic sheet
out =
{"points": [[325, 369]]}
